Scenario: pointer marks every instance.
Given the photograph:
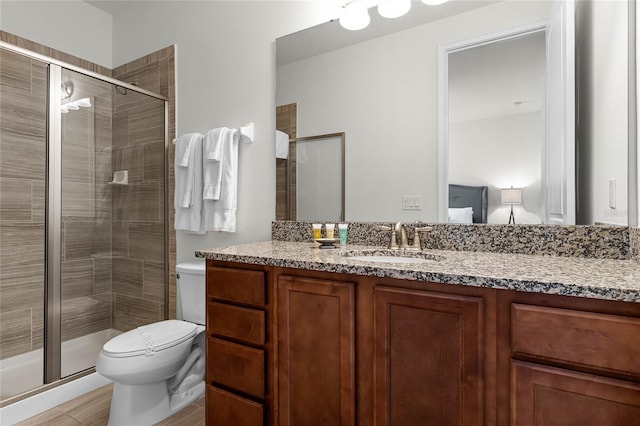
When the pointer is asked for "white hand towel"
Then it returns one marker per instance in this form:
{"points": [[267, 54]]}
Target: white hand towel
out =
{"points": [[188, 184], [183, 150], [282, 145], [220, 215], [213, 144], [212, 168]]}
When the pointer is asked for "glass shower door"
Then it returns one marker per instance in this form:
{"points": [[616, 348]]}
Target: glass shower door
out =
{"points": [[86, 299], [112, 215]]}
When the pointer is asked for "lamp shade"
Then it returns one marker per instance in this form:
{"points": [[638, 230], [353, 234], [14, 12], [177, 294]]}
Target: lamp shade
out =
{"points": [[511, 196]]}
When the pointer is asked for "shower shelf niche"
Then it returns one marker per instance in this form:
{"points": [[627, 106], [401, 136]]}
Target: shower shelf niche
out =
{"points": [[120, 177]]}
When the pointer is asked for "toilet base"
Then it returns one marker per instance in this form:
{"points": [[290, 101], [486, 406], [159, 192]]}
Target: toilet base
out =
{"points": [[149, 403]]}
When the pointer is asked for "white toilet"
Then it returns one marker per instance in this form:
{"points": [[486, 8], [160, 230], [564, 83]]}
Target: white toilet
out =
{"points": [[158, 368]]}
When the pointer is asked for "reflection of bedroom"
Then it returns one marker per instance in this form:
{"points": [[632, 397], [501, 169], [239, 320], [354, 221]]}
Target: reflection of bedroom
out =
{"points": [[498, 144]]}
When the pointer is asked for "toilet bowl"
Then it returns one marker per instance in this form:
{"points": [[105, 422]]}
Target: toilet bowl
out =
{"points": [[158, 368]]}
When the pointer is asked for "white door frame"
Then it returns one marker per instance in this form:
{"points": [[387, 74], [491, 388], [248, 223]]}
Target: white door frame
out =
{"points": [[443, 99]]}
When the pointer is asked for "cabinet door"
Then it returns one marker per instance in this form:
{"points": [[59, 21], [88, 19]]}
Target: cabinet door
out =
{"points": [[316, 352], [546, 396], [428, 358]]}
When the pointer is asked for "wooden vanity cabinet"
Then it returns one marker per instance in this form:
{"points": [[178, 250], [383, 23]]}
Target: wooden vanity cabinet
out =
{"points": [[297, 347], [237, 387], [316, 352], [574, 362], [428, 358]]}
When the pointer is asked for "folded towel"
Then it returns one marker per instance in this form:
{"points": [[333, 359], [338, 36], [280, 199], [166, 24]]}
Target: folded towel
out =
{"points": [[220, 215], [183, 150], [213, 144], [188, 184], [212, 169], [282, 145]]}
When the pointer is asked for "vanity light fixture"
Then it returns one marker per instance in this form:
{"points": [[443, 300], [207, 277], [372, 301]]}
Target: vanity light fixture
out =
{"points": [[355, 13], [511, 196], [355, 16], [434, 2], [394, 8]]}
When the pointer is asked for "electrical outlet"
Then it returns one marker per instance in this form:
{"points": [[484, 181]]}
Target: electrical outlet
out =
{"points": [[411, 202], [612, 193]]}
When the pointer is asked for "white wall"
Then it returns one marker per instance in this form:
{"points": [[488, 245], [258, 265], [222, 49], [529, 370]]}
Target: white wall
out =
{"points": [[500, 152], [73, 27], [225, 73], [390, 126], [225, 77], [602, 137]]}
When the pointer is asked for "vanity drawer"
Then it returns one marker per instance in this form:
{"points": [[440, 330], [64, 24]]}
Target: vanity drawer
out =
{"points": [[235, 322], [236, 285], [236, 366], [224, 408], [602, 341]]}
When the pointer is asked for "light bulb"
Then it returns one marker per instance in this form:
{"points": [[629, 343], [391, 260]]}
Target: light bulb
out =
{"points": [[355, 17], [434, 2], [394, 8]]}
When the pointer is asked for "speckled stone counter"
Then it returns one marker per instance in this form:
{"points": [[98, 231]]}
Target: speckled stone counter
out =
{"points": [[582, 277], [603, 241]]}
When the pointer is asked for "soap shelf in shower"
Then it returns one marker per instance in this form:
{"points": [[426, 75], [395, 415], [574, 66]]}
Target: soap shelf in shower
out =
{"points": [[120, 177]]}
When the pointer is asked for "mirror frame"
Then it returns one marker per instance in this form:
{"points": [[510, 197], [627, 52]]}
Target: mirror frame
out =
{"points": [[340, 135]]}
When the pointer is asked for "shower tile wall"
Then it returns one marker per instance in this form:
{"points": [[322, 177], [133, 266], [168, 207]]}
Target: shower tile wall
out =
{"points": [[112, 269], [142, 239], [23, 91], [138, 209]]}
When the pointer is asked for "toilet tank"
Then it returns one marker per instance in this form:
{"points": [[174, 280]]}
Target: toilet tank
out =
{"points": [[190, 281]]}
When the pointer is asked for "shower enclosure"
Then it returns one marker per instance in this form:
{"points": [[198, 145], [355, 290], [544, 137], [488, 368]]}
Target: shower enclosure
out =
{"points": [[83, 235]]}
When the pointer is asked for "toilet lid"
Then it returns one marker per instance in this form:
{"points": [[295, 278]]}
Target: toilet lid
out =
{"points": [[150, 338]]}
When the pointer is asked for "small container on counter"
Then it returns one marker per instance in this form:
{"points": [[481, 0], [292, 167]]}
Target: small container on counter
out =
{"points": [[317, 231], [342, 233], [330, 229]]}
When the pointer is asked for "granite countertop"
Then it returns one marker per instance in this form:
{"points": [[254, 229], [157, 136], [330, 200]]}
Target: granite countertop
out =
{"points": [[581, 277]]}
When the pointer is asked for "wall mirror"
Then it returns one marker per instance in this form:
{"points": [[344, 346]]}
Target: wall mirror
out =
{"points": [[380, 85]]}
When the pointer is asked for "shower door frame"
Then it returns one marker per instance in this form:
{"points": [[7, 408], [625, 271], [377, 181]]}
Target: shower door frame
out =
{"points": [[53, 215]]}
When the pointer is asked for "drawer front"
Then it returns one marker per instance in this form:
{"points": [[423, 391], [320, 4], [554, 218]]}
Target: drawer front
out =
{"points": [[245, 324], [549, 396], [224, 409], [236, 366], [236, 285], [607, 342]]}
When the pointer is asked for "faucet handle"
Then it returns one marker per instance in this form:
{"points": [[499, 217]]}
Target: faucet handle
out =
{"points": [[393, 243], [416, 245]]}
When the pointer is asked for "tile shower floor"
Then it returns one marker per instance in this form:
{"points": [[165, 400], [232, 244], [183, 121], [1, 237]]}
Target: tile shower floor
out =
{"points": [[92, 409]]}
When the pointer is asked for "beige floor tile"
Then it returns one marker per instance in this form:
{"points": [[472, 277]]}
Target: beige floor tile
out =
{"points": [[88, 399], [51, 417], [92, 409], [191, 415]]}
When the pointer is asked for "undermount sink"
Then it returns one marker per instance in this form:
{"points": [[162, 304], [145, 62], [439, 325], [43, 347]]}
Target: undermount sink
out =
{"points": [[391, 259], [392, 256]]}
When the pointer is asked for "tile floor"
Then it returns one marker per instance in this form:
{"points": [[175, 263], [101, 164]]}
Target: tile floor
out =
{"points": [[92, 409]]}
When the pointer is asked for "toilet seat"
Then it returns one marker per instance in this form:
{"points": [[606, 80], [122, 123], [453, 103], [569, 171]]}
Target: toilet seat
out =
{"points": [[149, 339]]}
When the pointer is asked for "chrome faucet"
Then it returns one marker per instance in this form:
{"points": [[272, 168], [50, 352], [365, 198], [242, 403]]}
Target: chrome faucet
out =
{"points": [[400, 231]]}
